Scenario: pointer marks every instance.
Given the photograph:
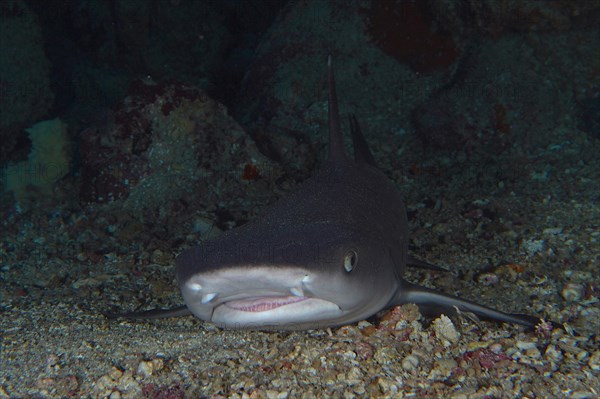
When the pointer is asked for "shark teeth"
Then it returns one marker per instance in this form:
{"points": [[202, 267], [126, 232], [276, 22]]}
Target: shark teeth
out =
{"points": [[206, 298], [263, 304], [297, 291], [196, 287]]}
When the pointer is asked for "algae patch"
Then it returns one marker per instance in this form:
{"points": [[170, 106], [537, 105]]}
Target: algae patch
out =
{"points": [[47, 163]]}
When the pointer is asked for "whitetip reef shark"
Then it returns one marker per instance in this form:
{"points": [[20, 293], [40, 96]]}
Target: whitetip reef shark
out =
{"points": [[331, 253]]}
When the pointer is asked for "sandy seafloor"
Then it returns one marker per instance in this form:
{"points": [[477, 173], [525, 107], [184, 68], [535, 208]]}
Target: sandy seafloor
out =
{"points": [[522, 237]]}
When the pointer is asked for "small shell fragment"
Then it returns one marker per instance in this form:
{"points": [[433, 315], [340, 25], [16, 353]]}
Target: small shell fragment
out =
{"points": [[445, 330]]}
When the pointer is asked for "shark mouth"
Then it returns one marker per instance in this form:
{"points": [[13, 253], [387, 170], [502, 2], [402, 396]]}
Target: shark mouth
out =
{"points": [[263, 304], [261, 297]]}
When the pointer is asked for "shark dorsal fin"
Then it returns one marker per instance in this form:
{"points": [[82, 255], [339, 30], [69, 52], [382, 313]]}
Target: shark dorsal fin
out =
{"points": [[336, 141], [362, 154]]}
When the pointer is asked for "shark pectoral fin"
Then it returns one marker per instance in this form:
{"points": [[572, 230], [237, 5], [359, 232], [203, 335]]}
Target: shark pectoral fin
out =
{"points": [[411, 261], [151, 314], [431, 300]]}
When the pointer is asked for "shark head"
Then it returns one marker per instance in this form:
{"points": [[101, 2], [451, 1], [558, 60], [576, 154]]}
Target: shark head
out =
{"points": [[310, 277]]}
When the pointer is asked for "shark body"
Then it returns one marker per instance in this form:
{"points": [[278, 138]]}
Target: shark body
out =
{"points": [[331, 253]]}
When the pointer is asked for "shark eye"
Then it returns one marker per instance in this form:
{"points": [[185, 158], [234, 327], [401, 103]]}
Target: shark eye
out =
{"points": [[350, 260]]}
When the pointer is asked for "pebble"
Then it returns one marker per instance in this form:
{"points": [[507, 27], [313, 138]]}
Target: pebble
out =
{"points": [[384, 354], [354, 376], [272, 394], [364, 350], [582, 356], [401, 325], [594, 361], [387, 387], [472, 346], [553, 354], [552, 231], [145, 369], [525, 345], [117, 381], [578, 276], [533, 353], [203, 225], [45, 383], [488, 279], [496, 347], [115, 373], [569, 345], [308, 395], [582, 395], [160, 257], [442, 368], [410, 363], [52, 360], [572, 292]]}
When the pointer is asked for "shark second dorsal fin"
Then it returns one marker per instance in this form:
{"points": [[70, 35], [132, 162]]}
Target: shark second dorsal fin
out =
{"points": [[362, 154]]}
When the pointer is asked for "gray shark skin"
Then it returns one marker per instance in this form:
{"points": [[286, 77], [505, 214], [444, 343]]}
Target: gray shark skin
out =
{"points": [[331, 253]]}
